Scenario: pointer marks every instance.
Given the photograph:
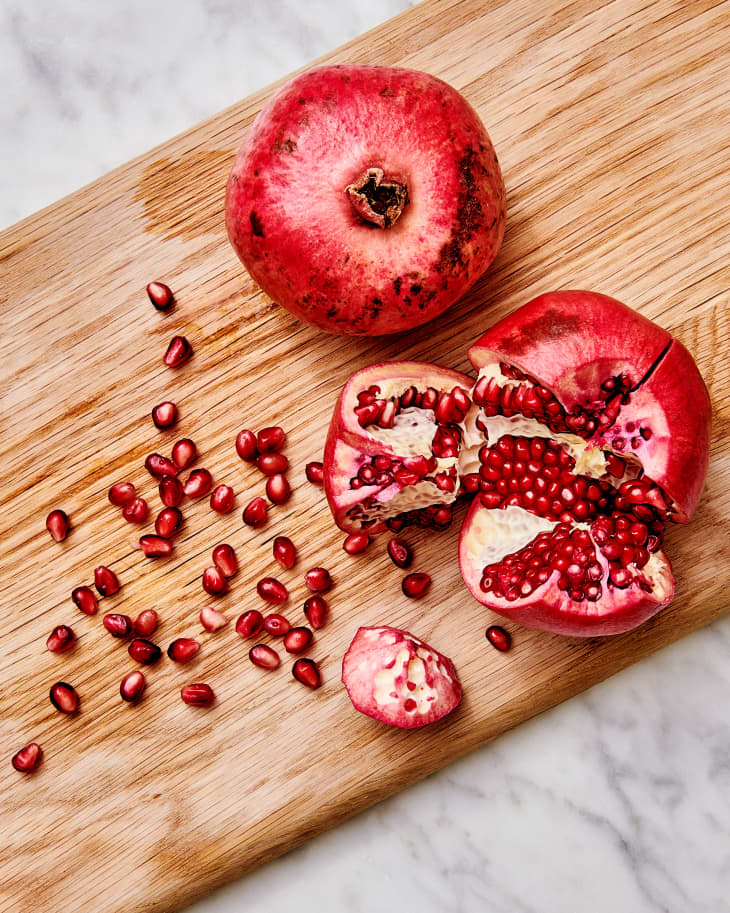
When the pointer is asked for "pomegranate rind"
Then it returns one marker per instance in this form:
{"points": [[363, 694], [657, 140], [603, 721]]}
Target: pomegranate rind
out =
{"points": [[292, 224], [376, 671]]}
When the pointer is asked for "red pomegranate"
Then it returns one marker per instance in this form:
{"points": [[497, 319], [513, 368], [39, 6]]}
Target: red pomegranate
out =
{"points": [[365, 199]]}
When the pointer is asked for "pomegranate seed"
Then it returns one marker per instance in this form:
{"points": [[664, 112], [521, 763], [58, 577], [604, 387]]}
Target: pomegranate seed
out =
{"points": [[276, 625], [272, 464], [57, 524], [28, 758], [356, 543], [198, 694], [499, 638], [221, 501], [171, 491], [270, 439], [86, 600], [132, 686], [184, 453], [285, 552], [250, 624], [121, 494], [272, 590], [168, 522], [212, 620], [106, 581], [64, 697], [297, 640], [318, 580], [224, 558], [315, 611], [256, 513], [178, 352], [315, 473], [144, 651], [416, 585], [164, 415], [160, 295], [278, 489], [159, 466], [306, 671], [214, 583], [246, 445], [264, 657], [146, 623], [155, 546], [118, 625], [136, 511], [400, 553], [183, 649], [199, 483], [60, 639]]}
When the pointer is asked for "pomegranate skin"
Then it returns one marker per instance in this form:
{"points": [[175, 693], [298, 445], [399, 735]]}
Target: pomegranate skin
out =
{"points": [[296, 222]]}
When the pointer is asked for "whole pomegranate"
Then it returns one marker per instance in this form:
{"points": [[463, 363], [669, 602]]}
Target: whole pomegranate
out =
{"points": [[366, 199], [586, 432]]}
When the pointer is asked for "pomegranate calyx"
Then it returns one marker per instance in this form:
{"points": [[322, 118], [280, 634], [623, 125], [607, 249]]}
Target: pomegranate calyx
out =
{"points": [[376, 200]]}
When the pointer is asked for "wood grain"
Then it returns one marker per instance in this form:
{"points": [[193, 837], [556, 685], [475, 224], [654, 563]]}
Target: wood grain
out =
{"points": [[611, 125]]}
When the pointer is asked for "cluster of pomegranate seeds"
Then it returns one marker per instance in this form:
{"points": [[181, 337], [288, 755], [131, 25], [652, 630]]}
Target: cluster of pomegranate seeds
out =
{"points": [[178, 352], [416, 585], [356, 543], [58, 525], [146, 623], [61, 639], [222, 499], [164, 415], [85, 599], [160, 295], [212, 620], [136, 511], [64, 697], [314, 472], [144, 651], [499, 638], [106, 581], [132, 686], [28, 758], [199, 694], [183, 649], [118, 625]]}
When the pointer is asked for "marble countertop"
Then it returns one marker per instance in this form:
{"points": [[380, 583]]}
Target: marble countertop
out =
{"points": [[619, 800]]}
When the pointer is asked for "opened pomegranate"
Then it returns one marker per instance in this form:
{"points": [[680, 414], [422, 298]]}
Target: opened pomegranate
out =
{"points": [[366, 199]]}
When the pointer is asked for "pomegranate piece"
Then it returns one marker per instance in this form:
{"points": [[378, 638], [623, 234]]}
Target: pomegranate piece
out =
{"points": [[272, 590], [64, 697], [178, 352], [105, 581], [198, 484], [264, 657], [85, 599], [132, 686], [155, 546], [146, 623], [316, 610], [121, 494], [212, 620], [499, 638], [307, 672], [159, 466], [297, 640], [61, 639], [250, 624], [400, 553], [285, 552], [183, 649], [198, 694], [402, 210], [314, 472], [246, 446], [58, 525], [222, 499], [171, 491], [118, 625], [398, 679], [256, 513], [184, 453], [318, 580], [28, 758], [214, 583], [224, 558], [136, 511], [416, 585], [276, 625], [278, 489], [160, 296], [356, 543], [164, 415], [272, 463], [270, 439], [144, 651], [168, 522]]}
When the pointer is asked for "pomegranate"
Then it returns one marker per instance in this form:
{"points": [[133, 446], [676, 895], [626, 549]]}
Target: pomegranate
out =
{"points": [[214, 582], [159, 466], [222, 499], [272, 590], [184, 453], [316, 610], [366, 199], [416, 585], [318, 580], [314, 472], [136, 511], [272, 464], [499, 638], [276, 625], [225, 559], [155, 546], [164, 415], [171, 491], [144, 651], [178, 352], [198, 484], [256, 513], [160, 295], [121, 494], [146, 622], [270, 439], [58, 525], [198, 694], [64, 697], [132, 686], [118, 625], [246, 445], [264, 657], [307, 672], [168, 522], [105, 581], [60, 639], [400, 553], [211, 619], [278, 489], [85, 600], [285, 552], [183, 649], [250, 624], [356, 543], [297, 640], [398, 679], [28, 758]]}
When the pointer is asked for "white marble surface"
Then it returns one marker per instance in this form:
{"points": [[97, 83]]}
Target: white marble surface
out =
{"points": [[616, 802]]}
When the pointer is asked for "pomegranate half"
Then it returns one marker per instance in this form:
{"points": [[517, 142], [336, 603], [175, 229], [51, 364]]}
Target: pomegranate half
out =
{"points": [[366, 199]]}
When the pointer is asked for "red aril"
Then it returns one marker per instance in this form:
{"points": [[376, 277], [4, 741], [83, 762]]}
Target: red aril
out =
{"points": [[400, 553], [28, 758], [164, 415], [276, 625], [146, 623], [198, 484], [316, 610], [246, 446], [285, 552], [272, 590], [159, 466], [314, 472], [224, 558], [307, 672], [416, 585], [121, 494], [160, 296], [184, 453], [250, 624], [144, 651], [212, 620], [222, 499], [58, 525], [214, 583], [297, 640], [270, 439], [318, 580], [264, 657], [168, 522], [106, 581], [118, 625], [136, 511], [499, 638], [198, 694], [356, 543], [278, 489], [256, 513], [85, 599], [272, 463], [61, 639], [155, 546], [183, 649], [171, 491], [64, 697], [178, 352], [132, 686]]}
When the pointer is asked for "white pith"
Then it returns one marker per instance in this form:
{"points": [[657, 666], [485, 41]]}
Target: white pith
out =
{"points": [[408, 668], [494, 534]]}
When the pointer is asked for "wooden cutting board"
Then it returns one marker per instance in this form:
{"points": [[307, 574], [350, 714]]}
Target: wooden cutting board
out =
{"points": [[611, 123]]}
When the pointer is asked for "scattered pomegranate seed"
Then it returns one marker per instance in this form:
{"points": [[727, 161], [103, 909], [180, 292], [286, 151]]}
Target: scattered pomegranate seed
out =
{"points": [[121, 494], [256, 513], [86, 600], [306, 671], [64, 697], [285, 552], [272, 590], [136, 511], [246, 445], [276, 625], [146, 622], [199, 483], [214, 583], [222, 499], [60, 639], [270, 439], [178, 352], [272, 463], [278, 489], [132, 686], [171, 491], [297, 640], [144, 651], [416, 585], [168, 522], [224, 558], [356, 543], [198, 694], [315, 611], [57, 524], [184, 453], [250, 624], [164, 415], [118, 625], [315, 473], [264, 657], [28, 758], [183, 649], [499, 638], [106, 581], [160, 295], [400, 553], [212, 620], [155, 546], [318, 580], [159, 466]]}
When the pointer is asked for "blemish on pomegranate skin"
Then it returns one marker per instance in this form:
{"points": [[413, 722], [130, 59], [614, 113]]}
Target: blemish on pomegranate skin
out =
{"points": [[256, 225]]}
